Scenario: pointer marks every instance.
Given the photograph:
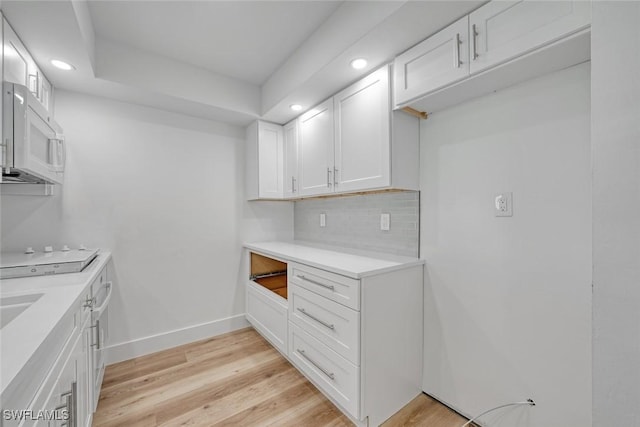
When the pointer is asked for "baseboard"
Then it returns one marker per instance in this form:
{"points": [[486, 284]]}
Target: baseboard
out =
{"points": [[151, 344]]}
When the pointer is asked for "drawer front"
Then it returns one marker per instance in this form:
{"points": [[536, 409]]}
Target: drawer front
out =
{"points": [[336, 326], [268, 315], [332, 374], [340, 289]]}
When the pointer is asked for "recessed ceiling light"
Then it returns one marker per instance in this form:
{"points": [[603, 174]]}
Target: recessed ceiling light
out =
{"points": [[359, 63], [62, 65], [295, 107]]}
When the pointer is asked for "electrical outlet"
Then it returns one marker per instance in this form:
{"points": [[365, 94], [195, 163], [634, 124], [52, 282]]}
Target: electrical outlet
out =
{"points": [[503, 204], [385, 220], [323, 220]]}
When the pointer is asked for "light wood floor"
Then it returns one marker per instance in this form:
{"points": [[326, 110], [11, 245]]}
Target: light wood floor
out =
{"points": [[236, 379]]}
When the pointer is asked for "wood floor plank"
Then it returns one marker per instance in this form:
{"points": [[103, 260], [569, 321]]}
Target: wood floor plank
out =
{"points": [[208, 394], [230, 357], [137, 370], [145, 402], [425, 411], [236, 379], [320, 413], [237, 402], [273, 407]]}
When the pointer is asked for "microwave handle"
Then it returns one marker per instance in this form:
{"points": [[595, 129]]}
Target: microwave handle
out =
{"points": [[53, 150], [57, 153], [62, 144]]}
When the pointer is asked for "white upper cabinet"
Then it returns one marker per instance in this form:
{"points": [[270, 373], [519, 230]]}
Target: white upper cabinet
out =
{"points": [[362, 139], [437, 61], [500, 44], [269, 156], [19, 67], [316, 150], [351, 142], [502, 30], [16, 57], [290, 161], [264, 145]]}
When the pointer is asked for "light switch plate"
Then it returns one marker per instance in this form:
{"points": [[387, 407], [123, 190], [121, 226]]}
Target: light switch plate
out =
{"points": [[323, 220], [385, 220], [503, 204]]}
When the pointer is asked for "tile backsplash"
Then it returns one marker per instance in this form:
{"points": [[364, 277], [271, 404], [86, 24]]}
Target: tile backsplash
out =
{"points": [[354, 222]]}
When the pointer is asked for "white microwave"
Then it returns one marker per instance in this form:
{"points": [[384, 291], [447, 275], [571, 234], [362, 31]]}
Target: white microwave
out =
{"points": [[33, 147]]}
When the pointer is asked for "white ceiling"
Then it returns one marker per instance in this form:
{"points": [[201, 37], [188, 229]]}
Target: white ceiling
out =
{"points": [[229, 61], [246, 40]]}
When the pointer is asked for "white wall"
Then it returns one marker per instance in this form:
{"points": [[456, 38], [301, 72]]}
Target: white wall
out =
{"points": [[508, 300], [616, 213], [165, 193]]}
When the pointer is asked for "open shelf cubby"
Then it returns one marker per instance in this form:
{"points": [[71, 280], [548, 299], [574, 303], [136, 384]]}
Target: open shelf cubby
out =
{"points": [[269, 273]]}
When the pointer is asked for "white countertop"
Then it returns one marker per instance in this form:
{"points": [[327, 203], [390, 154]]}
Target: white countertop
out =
{"points": [[23, 338], [344, 261]]}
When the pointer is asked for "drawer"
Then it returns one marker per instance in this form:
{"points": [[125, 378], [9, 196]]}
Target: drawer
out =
{"points": [[267, 312], [336, 326], [341, 289], [330, 372]]}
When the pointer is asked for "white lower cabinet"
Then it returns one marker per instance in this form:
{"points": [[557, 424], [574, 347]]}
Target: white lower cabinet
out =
{"points": [[358, 340], [64, 397]]}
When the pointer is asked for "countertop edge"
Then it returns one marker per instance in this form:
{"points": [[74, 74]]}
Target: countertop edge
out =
{"points": [[256, 246]]}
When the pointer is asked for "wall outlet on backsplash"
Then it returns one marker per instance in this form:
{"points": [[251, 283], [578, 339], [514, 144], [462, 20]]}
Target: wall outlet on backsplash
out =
{"points": [[323, 220], [356, 222], [385, 220]]}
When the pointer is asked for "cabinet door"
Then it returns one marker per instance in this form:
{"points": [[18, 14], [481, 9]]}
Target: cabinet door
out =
{"points": [[436, 62], [291, 159], [502, 30], [85, 377], [269, 160], [64, 394], [362, 116], [16, 57], [315, 153]]}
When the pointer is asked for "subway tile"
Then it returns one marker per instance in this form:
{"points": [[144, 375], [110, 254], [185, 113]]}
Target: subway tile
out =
{"points": [[355, 222]]}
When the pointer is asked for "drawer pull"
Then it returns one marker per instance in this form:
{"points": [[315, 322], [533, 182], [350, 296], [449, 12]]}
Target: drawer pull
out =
{"points": [[324, 371], [311, 316], [331, 287]]}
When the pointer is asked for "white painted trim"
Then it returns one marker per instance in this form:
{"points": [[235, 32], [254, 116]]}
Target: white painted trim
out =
{"points": [[153, 343]]}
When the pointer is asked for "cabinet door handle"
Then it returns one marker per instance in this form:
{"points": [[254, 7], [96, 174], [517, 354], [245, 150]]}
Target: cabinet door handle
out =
{"points": [[330, 287], [474, 36], [97, 335], [70, 405], [293, 184], [329, 177], [335, 176], [35, 81], [314, 363], [322, 322], [456, 51]]}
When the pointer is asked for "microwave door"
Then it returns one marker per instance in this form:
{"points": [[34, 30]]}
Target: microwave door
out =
{"points": [[38, 151]]}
